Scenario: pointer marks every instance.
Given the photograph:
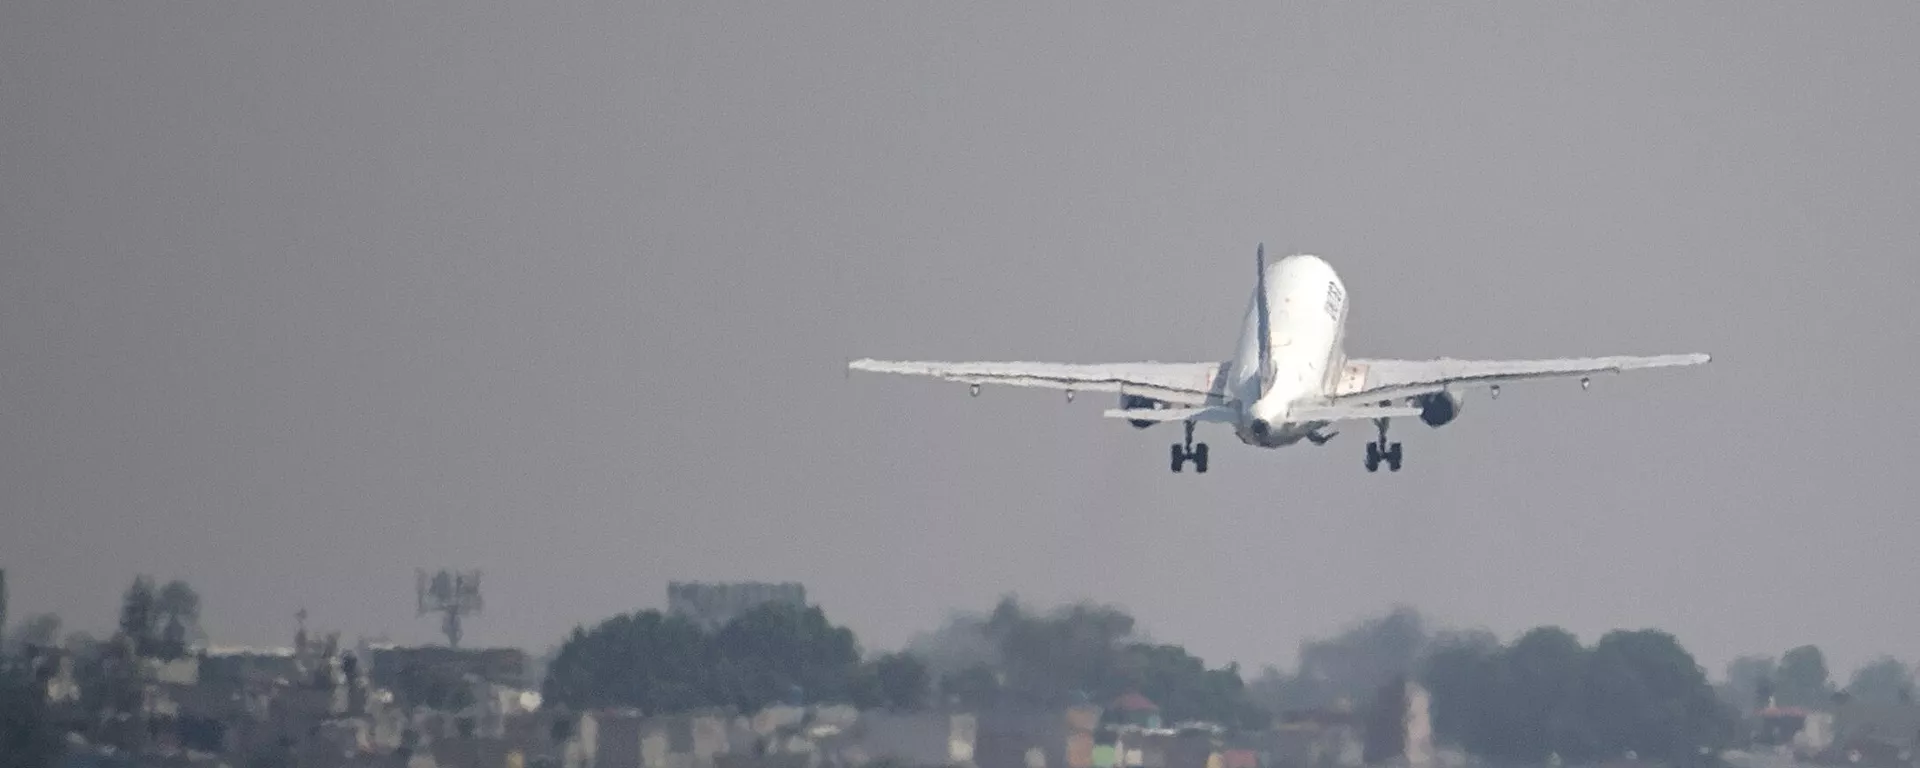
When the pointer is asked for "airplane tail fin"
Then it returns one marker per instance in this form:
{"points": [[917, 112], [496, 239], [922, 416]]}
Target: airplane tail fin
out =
{"points": [[1262, 325]]}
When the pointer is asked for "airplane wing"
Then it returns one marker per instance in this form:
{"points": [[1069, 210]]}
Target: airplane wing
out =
{"points": [[1378, 379], [1173, 383]]}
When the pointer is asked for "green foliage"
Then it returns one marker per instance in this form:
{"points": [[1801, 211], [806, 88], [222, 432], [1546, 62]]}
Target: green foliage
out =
{"points": [[1803, 679], [779, 653], [1085, 650], [776, 651], [137, 614], [657, 663], [1883, 681], [1749, 683], [434, 687], [1047, 658], [29, 738], [1458, 672], [160, 621], [1351, 667], [1386, 732], [902, 680], [41, 630], [976, 687], [643, 659], [1643, 692], [1545, 694], [1183, 687]]}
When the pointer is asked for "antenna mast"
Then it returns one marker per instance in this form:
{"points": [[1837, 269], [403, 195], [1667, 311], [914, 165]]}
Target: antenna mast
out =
{"points": [[452, 594]]}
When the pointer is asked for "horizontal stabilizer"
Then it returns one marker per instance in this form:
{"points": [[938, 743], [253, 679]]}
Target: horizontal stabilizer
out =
{"points": [[1216, 414], [1328, 413]]}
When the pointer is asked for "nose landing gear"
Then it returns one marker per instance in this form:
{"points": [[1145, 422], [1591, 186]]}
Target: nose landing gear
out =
{"points": [[1181, 453], [1380, 450]]}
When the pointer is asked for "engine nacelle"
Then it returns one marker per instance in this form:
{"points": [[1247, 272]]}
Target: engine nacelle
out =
{"points": [[1131, 402], [1439, 408]]}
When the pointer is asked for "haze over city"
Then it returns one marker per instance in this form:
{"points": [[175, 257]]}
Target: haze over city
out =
{"points": [[295, 299]]}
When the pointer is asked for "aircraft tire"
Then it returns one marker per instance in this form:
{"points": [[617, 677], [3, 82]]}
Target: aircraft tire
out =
{"points": [[1200, 458], [1179, 457]]}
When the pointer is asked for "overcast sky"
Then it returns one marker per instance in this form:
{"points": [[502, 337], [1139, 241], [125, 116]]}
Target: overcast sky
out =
{"points": [[297, 297]]}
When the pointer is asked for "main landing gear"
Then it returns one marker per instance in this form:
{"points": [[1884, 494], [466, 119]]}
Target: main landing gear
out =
{"points": [[1380, 450], [1189, 451]]}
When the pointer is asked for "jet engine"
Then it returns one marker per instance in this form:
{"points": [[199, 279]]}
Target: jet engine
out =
{"points": [[1131, 402], [1438, 408]]}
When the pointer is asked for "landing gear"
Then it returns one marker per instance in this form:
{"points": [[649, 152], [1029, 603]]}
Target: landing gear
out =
{"points": [[1380, 450], [1181, 453]]}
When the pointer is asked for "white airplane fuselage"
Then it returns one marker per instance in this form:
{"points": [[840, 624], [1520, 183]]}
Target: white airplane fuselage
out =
{"points": [[1307, 309]]}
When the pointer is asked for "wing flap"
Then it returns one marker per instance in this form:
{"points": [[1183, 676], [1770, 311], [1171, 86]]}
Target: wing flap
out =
{"points": [[1177, 383], [1217, 414], [1370, 379]]}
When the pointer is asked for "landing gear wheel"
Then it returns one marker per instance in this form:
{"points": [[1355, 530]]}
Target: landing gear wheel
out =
{"points": [[1382, 451], [1180, 453]]}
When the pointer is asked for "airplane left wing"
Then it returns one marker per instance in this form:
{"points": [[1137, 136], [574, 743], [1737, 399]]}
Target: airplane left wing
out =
{"points": [[1192, 384], [1376, 379]]}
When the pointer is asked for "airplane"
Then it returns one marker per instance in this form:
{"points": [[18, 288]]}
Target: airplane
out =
{"points": [[1290, 378]]}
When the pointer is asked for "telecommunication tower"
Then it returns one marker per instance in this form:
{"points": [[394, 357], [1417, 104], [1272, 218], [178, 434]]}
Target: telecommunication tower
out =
{"points": [[452, 594]]}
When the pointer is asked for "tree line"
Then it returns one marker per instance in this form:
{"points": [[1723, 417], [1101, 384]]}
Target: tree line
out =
{"points": [[1542, 695], [785, 654], [772, 654], [1546, 695]]}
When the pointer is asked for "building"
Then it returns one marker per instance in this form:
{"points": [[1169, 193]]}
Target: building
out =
{"points": [[712, 605]]}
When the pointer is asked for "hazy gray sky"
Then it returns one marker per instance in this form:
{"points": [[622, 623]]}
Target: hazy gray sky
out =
{"points": [[296, 297]]}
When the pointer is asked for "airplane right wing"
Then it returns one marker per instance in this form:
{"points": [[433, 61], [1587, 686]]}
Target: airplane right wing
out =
{"points": [[1191, 384], [1369, 379]]}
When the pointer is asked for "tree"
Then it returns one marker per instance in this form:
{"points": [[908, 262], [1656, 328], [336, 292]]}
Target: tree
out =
{"points": [[1642, 692], [29, 737], [646, 660], [902, 679], [41, 630], [177, 615], [1802, 680], [1459, 674], [433, 687], [1353, 665], [1052, 659], [1883, 681], [1386, 724], [1546, 694], [1749, 684], [1535, 684], [773, 653], [137, 614], [976, 687], [1182, 685]]}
